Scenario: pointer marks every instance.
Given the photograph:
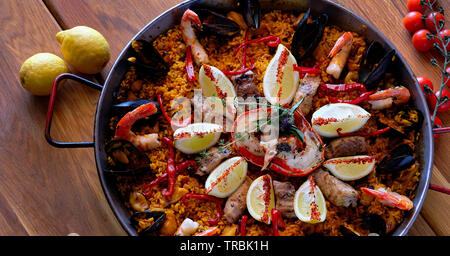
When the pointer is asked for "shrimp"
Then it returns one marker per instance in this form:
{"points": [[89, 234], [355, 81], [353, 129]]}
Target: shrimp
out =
{"points": [[339, 55], [123, 129], [189, 37], [385, 98], [390, 198]]}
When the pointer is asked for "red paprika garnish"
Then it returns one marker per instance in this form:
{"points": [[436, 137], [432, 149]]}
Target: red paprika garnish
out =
{"points": [[183, 123], [277, 221], [171, 169], [327, 89], [272, 41], [305, 70], [218, 202]]}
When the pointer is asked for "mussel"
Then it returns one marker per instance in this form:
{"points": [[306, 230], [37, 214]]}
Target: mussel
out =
{"points": [[374, 223], [347, 230], [148, 61], [404, 120], [371, 57], [373, 70], [124, 157], [215, 23], [251, 11], [158, 220], [307, 35], [400, 158]]}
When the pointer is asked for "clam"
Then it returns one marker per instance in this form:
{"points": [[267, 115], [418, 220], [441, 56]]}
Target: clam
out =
{"points": [[307, 35], [158, 220]]}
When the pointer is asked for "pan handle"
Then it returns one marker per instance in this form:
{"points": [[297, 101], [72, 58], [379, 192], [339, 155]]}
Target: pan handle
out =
{"points": [[51, 104]]}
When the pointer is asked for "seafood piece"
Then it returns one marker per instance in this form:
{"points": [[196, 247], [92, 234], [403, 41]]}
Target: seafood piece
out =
{"points": [[213, 157], [371, 58], [336, 191], [339, 55], [347, 230], [346, 146], [127, 106], [307, 35], [169, 227], [297, 163], [380, 70], [189, 37], [238, 18], [306, 91], [148, 60], [284, 193], [209, 232], [187, 228], [154, 220], [398, 159], [245, 85], [374, 223], [123, 129], [236, 203], [390, 198], [402, 121], [251, 11], [137, 201], [215, 23], [124, 157], [385, 98]]}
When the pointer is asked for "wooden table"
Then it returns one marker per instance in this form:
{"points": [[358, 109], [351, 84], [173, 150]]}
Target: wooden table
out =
{"points": [[49, 191]]}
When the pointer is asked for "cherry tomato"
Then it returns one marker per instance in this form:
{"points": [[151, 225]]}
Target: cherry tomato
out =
{"points": [[421, 42], [413, 22], [414, 5], [442, 34], [429, 22], [437, 124], [446, 106], [431, 100], [447, 79]]}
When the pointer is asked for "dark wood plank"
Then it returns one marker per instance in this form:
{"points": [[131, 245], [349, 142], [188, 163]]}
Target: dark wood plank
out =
{"points": [[44, 191]]}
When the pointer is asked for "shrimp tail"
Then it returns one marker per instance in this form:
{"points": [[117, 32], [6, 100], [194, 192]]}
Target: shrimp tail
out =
{"points": [[345, 39]]}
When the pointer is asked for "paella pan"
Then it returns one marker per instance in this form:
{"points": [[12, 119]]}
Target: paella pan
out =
{"points": [[247, 121]]}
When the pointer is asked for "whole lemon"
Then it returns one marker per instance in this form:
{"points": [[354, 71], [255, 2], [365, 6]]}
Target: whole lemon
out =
{"points": [[84, 48], [39, 71]]}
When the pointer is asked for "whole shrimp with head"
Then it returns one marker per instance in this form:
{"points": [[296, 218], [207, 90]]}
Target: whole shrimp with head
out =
{"points": [[339, 55], [123, 130], [189, 37]]}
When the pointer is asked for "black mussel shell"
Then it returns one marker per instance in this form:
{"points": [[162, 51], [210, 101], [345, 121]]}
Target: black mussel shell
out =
{"points": [[374, 223], [159, 217], [251, 11], [371, 57], [307, 35], [404, 120], [148, 60], [395, 164], [401, 150], [124, 157], [215, 23], [379, 71]]}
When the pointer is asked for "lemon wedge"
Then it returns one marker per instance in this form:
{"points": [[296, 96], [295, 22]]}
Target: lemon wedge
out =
{"points": [[196, 137], [309, 203], [329, 118], [280, 80], [215, 83], [261, 199], [227, 177], [350, 167]]}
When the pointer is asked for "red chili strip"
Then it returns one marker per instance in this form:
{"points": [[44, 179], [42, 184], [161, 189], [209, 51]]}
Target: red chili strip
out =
{"points": [[305, 70], [362, 133], [238, 72], [272, 41], [243, 229], [179, 169], [218, 201], [358, 100], [171, 169], [326, 89], [190, 65], [169, 119], [277, 221]]}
